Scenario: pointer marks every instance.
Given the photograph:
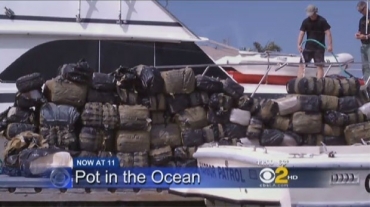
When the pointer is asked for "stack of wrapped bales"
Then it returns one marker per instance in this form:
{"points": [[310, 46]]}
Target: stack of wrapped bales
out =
{"points": [[185, 105], [133, 136], [66, 95], [228, 119], [145, 117], [316, 111], [21, 117], [99, 117]]}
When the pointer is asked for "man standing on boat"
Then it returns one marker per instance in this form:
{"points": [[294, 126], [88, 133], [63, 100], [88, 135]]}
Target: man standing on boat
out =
{"points": [[364, 36], [316, 27]]}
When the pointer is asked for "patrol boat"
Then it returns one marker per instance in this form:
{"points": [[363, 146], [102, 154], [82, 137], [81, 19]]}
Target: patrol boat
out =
{"points": [[349, 176]]}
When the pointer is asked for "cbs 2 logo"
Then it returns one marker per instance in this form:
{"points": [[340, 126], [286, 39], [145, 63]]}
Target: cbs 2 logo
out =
{"points": [[279, 176]]}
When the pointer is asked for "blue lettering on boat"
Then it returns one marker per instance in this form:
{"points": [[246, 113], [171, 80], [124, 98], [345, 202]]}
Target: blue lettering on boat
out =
{"points": [[223, 173], [208, 170]]}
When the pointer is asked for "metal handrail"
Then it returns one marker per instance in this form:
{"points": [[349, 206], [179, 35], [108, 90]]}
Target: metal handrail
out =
{"points": [[246, 64], [78, 15], [119, 21], [264, 76]]}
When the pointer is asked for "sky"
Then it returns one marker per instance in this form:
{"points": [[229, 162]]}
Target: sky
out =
{"points": [[243, 22]]}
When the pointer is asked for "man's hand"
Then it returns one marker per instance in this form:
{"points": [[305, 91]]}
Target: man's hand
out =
{"points": [[330, 48], [300, 49], [361, 37], [357, 35]]}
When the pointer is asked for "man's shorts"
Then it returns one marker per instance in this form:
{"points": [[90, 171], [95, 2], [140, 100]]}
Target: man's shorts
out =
{"points": [[316, 55]]}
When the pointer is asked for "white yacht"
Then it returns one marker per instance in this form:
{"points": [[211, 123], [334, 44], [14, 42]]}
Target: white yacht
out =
{"points": [[39, 36]]}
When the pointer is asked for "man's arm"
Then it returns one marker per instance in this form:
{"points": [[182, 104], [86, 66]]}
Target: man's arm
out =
{"points": [[358, 34], [328, 33], [301, 33], [300, 37], [359, 26]]}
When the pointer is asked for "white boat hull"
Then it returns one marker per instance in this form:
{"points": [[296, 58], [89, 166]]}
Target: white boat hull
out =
{"points": [[248, 64], [349, 160], [7, 90], [290, 71]]}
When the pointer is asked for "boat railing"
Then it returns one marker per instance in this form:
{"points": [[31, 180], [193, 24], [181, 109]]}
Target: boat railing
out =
{"points": [[250, 63], [301, 155], [277, 54]]}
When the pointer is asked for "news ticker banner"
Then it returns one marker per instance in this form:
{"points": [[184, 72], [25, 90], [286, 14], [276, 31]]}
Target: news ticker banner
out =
{"points": [[106, 173]]}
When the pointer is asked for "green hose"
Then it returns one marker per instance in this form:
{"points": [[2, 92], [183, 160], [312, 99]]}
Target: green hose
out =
{"points": [[335, 57]]}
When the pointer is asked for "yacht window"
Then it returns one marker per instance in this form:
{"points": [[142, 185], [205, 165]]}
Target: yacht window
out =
{"points": [[185, 53], [48, 57], [114, 53]]}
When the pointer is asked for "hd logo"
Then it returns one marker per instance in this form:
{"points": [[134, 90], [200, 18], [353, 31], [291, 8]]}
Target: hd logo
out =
{"points": [[276, 178]]}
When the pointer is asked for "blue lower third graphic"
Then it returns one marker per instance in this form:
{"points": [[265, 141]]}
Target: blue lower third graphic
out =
{"points": [[54, 178], [203, 177]]}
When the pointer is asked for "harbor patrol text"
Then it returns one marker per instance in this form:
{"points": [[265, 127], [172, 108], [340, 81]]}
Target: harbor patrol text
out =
{"points": [[224, 173]]}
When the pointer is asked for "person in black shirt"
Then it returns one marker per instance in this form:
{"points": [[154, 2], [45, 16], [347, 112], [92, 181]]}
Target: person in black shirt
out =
{"points": [[316, 27], [364, 36]]}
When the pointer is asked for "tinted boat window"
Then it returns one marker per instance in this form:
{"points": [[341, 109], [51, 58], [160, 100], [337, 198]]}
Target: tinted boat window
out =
{"points": [[126, 53], [46, 58], [185, 53]]}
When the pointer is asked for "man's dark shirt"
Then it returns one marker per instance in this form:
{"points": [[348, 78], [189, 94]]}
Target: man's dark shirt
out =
{"points": [[315, 29], [362, 29]]}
